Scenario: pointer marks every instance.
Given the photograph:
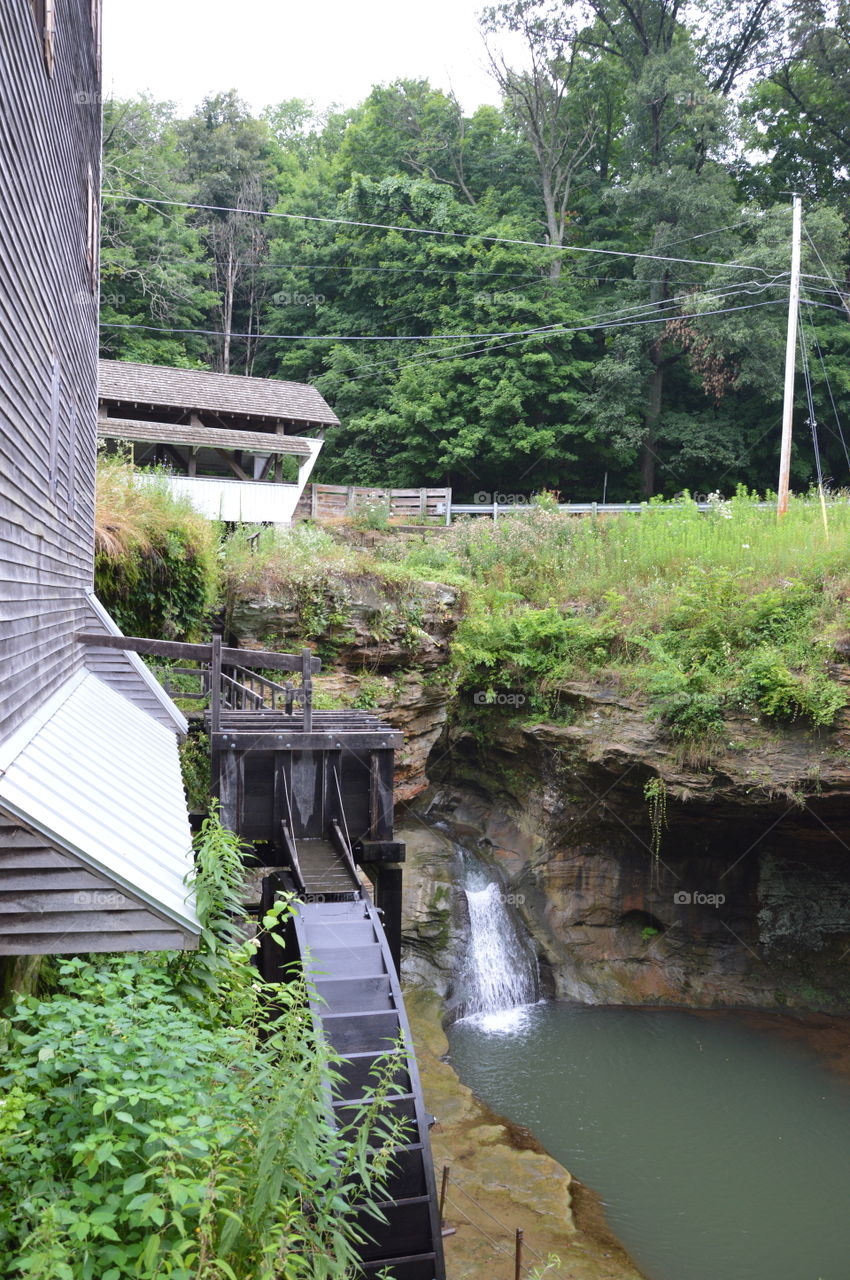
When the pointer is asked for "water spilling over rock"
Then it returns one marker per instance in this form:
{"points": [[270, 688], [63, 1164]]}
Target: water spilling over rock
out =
{"points": [[500, 973]]}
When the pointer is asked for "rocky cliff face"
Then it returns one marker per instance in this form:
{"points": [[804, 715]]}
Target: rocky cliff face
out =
{"points": [[384, 648], [642, 876], [729, 884]]}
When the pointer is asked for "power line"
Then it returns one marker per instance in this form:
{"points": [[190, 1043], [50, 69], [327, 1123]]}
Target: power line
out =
{"points": [[437, 357], [817, 347], [541, 331], [433, 231], [828, 276]]}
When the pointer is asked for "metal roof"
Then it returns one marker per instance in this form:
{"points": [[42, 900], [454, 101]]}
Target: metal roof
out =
{"points": [[100, 778], [222, 393]]}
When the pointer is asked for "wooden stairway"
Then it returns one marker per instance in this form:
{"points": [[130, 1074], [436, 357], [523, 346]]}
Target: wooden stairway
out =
{"points": [[359, 1006]]}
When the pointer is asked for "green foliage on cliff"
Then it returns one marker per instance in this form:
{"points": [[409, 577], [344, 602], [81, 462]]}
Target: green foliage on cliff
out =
{"points": [[166, 1116], [703, 615]]}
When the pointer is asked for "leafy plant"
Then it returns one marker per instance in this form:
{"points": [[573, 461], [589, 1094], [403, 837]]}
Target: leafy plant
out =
{"points": [[156, 558], [784, 694], [152, 1126]]}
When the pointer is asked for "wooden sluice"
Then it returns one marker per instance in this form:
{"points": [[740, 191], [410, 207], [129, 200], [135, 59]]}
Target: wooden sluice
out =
{"points": [[312, 793]]}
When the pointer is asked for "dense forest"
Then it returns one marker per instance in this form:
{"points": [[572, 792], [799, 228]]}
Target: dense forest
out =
{"points": [[583, 289]]}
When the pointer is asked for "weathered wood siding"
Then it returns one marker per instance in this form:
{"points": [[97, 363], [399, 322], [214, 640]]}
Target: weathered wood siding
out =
{"points": [[51, 904], [339, 501], [49, 165], [125, 672]]}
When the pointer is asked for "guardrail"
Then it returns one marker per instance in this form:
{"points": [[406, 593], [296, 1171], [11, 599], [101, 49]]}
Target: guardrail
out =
{"points": [[494, 510], [338, 502]]}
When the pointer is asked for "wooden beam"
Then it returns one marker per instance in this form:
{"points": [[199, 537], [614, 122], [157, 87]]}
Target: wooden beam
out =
{"points": [[296, 740], [178, 433], [264, 659], [234, 465]]}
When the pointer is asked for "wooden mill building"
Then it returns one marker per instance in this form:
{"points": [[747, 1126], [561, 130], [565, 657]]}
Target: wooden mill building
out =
{"points": [[241, 449], [94, 835], [86, 735]]}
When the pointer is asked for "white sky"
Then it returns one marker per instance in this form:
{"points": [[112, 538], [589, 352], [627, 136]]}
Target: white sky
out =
{"points": [[327, 51]]}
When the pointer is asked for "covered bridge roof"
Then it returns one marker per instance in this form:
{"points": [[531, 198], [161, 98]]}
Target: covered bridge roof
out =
{"points": [[220, 393]]}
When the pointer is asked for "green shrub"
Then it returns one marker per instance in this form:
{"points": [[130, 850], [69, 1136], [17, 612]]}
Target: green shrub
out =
{"points": [[686, 703], [784, 694], [166, 1117], [156, 558]]}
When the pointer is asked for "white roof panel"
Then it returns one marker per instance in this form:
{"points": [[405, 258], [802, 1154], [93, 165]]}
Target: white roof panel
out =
{"points": [[101, 778]]}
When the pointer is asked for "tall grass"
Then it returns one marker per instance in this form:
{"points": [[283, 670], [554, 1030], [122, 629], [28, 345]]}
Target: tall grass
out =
{"points": [[156, 558], [705, 613], [546, 556]]}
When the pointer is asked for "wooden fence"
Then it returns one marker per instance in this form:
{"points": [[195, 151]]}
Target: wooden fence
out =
{"points": [[338, 501]]}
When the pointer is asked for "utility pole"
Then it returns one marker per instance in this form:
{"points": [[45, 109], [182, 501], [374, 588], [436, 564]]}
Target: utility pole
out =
{"points": [[790, 358]]}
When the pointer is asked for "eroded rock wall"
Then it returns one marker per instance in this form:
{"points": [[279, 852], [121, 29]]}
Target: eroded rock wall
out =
{"points": [[738, 893]]}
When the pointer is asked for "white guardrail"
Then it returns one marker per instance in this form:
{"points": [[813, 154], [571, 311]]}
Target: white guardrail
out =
{"points": [[497, 509]]}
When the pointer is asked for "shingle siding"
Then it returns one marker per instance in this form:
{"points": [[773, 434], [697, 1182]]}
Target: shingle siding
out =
{"points": [[49, 141]]}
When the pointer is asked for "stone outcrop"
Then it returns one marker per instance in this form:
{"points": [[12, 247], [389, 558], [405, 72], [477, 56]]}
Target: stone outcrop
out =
{"points": [[384, 648], [737, 894]]}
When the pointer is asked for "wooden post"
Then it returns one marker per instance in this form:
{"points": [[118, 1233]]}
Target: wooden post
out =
{"points": [[215, 713], [388, 900], [381, 797], [307, 687], [518, 1259], [443, 1188], [215, 683], [423, 503], [790, 360], [280, 430], [314, 501]]}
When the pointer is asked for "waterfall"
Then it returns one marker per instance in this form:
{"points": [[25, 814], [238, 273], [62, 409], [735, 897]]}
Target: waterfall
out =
{"points": [[500, 973]]}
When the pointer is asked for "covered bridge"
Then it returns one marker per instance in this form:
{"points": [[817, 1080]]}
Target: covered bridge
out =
{"points": [[241, 449]]}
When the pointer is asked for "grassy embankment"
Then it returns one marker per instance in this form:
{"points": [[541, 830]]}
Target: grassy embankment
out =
{"points": [[702, 616]]}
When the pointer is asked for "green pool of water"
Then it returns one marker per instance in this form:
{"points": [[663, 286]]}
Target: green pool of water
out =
{"points": [[720, 1151]]}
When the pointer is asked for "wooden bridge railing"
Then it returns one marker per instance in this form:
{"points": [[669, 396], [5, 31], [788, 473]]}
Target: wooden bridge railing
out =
{"points": [[229, 677]]}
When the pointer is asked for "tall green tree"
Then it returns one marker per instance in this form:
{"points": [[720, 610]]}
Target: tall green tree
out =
{"points": [[153, 270]]}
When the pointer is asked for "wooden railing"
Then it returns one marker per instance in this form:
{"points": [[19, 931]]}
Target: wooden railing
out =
{"points": [[229, 677], [340, 502]]}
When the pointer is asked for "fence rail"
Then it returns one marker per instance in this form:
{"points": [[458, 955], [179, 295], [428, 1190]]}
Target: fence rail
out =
{"points": [[338, 501]]}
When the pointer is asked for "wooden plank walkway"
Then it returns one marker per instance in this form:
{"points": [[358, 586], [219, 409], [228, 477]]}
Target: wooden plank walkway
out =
{"points": [[325, 872]]}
